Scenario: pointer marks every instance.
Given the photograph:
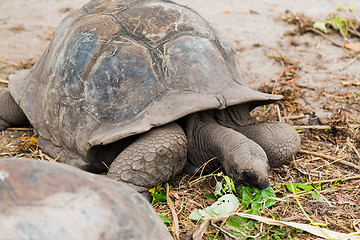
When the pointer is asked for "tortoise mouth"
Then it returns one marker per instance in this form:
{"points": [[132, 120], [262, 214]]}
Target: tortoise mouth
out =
{"points": [[249, 178], [259, 185]]}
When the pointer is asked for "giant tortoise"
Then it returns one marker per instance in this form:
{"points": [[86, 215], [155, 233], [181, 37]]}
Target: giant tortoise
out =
{"points": [[136, 86], [43, 200]]}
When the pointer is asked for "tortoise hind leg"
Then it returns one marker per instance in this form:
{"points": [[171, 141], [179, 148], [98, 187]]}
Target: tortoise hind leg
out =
{"points": [[153, 158], [10, 112]]}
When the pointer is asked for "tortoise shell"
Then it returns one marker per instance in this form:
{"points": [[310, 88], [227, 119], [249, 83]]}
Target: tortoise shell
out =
{"points": [[46, 200], [119, 68]]}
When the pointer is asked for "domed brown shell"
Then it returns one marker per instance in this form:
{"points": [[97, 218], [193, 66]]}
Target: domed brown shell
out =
{"points": [[119, 68], [45, 200]]}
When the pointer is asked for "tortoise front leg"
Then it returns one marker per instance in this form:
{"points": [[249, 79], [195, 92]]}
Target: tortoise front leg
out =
{"points": [[153, 158], [10, 112]]}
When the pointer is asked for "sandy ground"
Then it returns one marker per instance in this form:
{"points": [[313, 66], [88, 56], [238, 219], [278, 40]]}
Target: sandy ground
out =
{"points": [[324, 72], [26, 27]]}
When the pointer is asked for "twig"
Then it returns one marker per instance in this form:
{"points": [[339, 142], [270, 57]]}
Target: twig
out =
{"points": [[226, 232], [342, 32], [334, 180], [202, 168], [9, 62], [175, 225], [331, 158], [307, 87], [325, 127], [315, 127], [291, 80], [278, 76], [326, 37], [321, 182], [20, 129], [278, 113], [295, 117], [353, 31], [4, 81], [200, 230], [353, 147]]}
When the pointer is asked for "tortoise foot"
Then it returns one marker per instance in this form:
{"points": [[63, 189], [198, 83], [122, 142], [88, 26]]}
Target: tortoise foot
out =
{"points": [[10, 112], [154, 157]]}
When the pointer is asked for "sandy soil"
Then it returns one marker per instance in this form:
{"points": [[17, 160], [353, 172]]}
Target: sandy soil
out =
{"points": [[326, 76], [26, 27]]}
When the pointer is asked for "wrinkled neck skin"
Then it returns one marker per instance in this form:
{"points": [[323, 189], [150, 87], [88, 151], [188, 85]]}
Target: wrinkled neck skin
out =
{"points": [[242, 159], [234, 116]]}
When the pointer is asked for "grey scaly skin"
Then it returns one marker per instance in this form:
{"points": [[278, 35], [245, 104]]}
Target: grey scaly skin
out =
{"points": [[10, 113], [154, 157]]}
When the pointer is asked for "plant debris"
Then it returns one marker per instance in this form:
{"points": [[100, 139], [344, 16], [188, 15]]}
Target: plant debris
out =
{"points": [[347, 28]]}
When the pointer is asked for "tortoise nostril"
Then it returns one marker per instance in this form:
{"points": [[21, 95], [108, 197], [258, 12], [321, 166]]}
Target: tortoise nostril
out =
{"points": [[250, 175], [252, 178]]}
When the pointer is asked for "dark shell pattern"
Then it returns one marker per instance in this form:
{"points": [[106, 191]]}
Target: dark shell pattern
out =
{"points": [[119, 68]]}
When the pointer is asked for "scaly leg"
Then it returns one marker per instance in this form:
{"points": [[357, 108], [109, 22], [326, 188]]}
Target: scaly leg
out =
{"points": [[153, 158], [10, 112]]}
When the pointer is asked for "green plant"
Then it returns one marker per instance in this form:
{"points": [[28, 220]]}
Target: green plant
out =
{"points": [[309, 189], [341, 8], [158, 194], [165, 220], [255, 201], [336, 23], [233, 199]]}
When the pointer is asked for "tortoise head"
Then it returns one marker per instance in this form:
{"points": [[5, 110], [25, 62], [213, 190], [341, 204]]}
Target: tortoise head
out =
{"points": [[248, 165]]}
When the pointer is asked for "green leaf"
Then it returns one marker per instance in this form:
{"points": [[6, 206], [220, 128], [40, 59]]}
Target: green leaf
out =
{"points": [[158, 197], [196, 215], [339, 22], [305, 187], [246, 196], [292, 187], [157, 194], [258, 199], [222, 207], [316, 196], [166, 220], [225, 205], [321, 26], [209, 195], [336, 22], [268, 196], [218, 189], [236, 221], [230, 184], [253, 211]]}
